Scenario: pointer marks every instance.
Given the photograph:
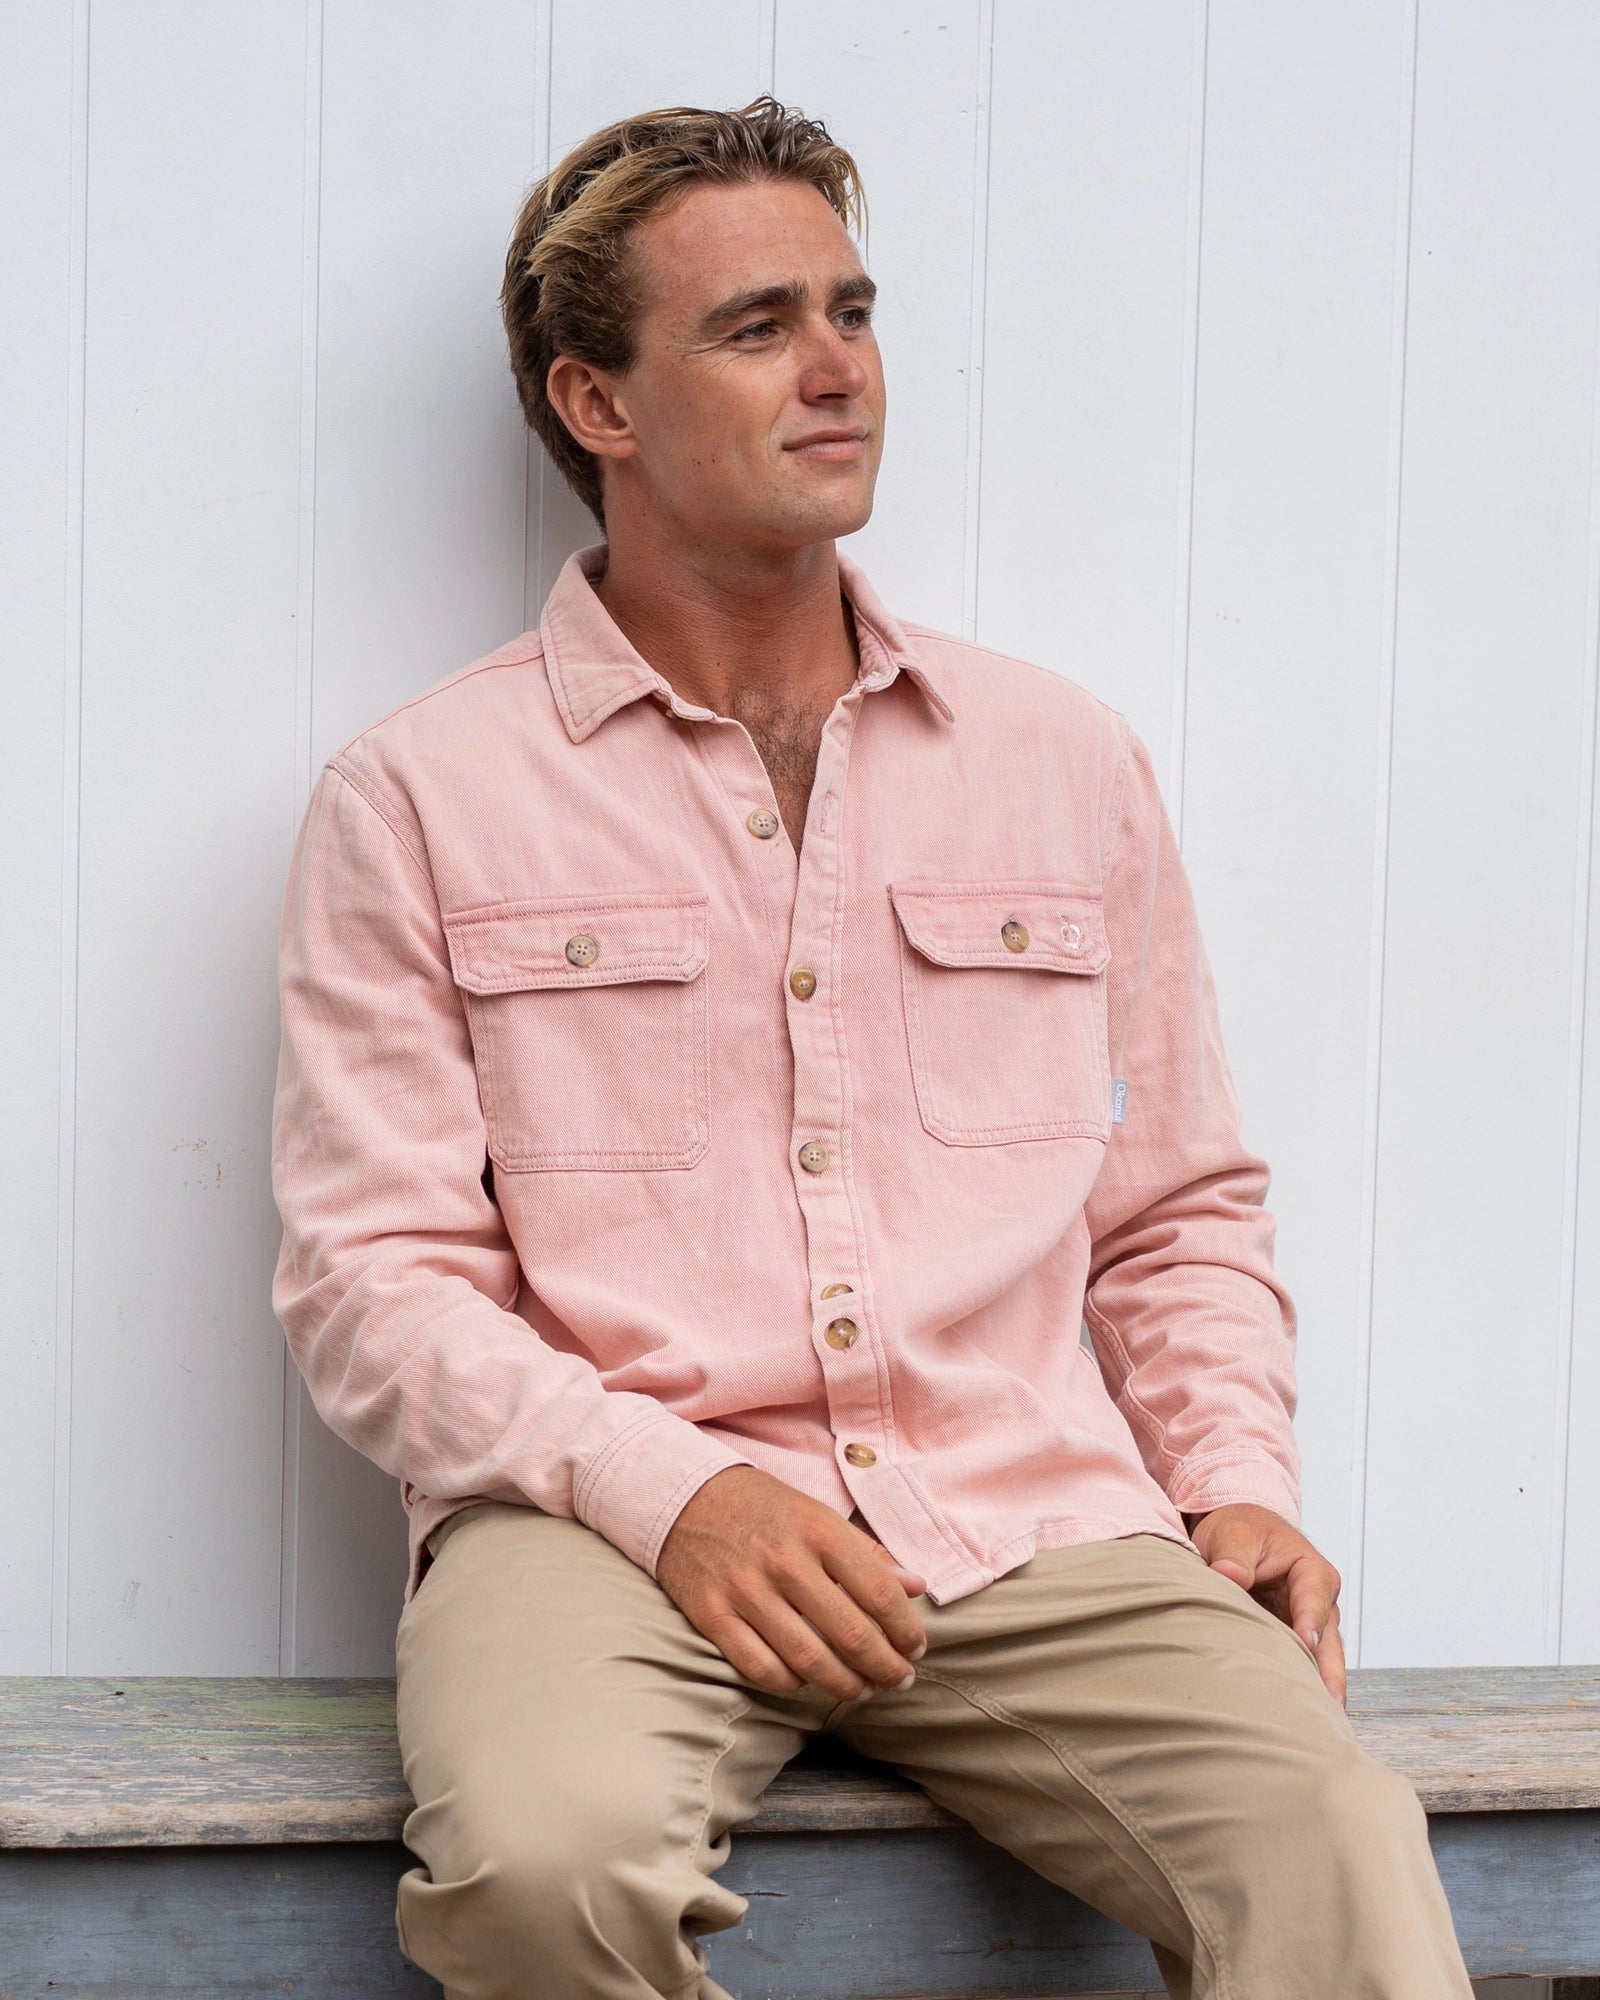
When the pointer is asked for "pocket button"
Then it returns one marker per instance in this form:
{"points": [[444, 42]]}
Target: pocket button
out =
{"points": [[1014, 937], [583, 949]]}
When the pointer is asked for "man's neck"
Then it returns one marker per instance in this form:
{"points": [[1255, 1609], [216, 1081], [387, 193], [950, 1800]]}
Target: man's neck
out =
{"points": [[733, 631]]}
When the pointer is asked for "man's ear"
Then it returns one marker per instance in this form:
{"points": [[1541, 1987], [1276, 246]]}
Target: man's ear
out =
{"points": [[588, 401]]}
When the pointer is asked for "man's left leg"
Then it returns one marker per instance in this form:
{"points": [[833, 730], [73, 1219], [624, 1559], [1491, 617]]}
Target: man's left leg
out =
{"points": [[1137, 1728]]}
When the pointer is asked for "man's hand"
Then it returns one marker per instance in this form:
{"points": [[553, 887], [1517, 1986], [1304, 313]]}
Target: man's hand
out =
{"points": [[1262, 1553], [751, 1559]]}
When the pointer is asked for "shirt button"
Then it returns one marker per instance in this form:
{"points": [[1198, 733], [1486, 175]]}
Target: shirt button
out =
{"points": [[842, 1333], [583, 949], [833, 1291], [860, 1454], [802, 982], [763, 822], [813, 1156], [1013, 937]]}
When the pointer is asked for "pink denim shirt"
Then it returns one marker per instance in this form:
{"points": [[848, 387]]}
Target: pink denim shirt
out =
{"points": [[615, 1143]]}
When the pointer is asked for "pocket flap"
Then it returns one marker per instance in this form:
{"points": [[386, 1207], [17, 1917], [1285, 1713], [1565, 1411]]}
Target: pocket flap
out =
{"points": [[615, 936], [1043, 926]]}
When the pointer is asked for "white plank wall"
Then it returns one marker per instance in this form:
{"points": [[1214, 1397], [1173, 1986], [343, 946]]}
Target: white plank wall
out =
{"points": [[1243, 364]]}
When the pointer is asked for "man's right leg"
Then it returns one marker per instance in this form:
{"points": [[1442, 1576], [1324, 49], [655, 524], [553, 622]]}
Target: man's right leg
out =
{"points": [[578, 1752]]}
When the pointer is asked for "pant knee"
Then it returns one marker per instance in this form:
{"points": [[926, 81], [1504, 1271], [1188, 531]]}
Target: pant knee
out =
{"points": [[586, 1893]]}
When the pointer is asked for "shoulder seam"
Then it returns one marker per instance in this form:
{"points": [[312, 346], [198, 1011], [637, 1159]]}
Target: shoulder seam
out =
{"points": [[374, 799], [1012, 659], [450, 681]]}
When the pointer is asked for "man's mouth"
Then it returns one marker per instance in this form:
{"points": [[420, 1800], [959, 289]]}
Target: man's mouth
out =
{"points": [[840, 443]]}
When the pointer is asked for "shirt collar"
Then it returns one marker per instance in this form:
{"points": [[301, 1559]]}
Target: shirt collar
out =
{"points": [[594, 671]]}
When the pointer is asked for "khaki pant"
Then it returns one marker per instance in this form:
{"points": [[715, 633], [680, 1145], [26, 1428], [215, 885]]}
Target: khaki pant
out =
{"points": [[1130, 1723]]}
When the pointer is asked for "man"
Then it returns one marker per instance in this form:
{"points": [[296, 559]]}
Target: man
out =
{"points": [[732, 1041]]}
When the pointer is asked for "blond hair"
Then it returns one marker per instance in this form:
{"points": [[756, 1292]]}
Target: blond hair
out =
{"points": [[571, 286]]}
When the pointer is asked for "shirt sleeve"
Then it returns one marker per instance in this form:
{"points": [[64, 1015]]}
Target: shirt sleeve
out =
{"points": [[1195, 1332], [396, 1278]]}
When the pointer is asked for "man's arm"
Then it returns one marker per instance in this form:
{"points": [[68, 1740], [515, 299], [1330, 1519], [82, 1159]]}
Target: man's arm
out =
{"points": [[1193, 1328], [396, 1276]]}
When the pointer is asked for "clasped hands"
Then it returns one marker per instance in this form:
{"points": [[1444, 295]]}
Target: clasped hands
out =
{"points": [[794, 1595]]}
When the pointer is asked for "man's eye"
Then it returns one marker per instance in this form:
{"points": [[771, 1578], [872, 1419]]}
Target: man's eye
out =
{"points": [[858, 315], [757, 326]]}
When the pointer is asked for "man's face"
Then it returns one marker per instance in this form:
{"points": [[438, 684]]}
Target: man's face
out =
{"points": [[756, 395]]}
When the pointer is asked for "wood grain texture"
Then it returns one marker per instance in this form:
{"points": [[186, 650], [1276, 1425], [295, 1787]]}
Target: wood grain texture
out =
{"points": [[829, 1917], [249, 1923], [162, 1762]]}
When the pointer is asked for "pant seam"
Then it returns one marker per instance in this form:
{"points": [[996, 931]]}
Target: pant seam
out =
{"points": [[1124, 1815], [707, 1774]]}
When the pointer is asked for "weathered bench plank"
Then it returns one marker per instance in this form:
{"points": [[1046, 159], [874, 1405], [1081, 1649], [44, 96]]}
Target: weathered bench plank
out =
{"points": [[233, 1838], [831, 1917], [153, 1762]]}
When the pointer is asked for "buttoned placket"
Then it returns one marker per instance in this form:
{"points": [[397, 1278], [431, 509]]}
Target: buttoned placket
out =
{"points": [[812, 886]]}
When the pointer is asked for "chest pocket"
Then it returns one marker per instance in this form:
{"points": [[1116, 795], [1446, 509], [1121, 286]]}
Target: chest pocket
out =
{"points": [[1005, 1003], [590, 1028]]}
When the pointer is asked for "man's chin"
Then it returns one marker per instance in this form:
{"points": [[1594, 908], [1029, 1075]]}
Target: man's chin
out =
{"points": [[821, 518], [787, 520]]}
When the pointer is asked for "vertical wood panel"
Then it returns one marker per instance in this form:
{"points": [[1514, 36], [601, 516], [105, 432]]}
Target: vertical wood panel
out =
{"points": [[1084, 500], [898, 85], [191, 413], [1580, 1630], [612, 58], [426, 142], [40, 166], [1469, 1340], [1306, 164]]}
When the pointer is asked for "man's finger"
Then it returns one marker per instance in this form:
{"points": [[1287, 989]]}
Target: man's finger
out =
{"points": [[1330, 1661], [1312, 1590], [850, 1626], [881, 1595], [744, 1648], [804, 1650]]}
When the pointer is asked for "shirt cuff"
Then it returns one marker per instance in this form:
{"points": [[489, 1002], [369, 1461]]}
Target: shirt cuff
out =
{"points": [[1259, 1481], [640, 1482]]}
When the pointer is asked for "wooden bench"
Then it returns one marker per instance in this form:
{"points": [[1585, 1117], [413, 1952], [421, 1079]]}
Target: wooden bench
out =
{"points": [[241, 1838]]}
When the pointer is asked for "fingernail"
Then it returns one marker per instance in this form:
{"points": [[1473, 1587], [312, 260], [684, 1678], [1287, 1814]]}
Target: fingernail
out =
{"points": [[917, 1651], [1316, 1639], [901, 1686]]}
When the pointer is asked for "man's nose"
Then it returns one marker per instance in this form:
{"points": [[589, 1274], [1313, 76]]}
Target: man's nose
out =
{"points": [[834, 368]]}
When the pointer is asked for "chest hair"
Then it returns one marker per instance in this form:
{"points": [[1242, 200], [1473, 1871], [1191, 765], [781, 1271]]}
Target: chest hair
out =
{"points": [[788, 736]]}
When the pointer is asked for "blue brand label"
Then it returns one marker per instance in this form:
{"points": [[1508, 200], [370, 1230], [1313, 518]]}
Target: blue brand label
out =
{"points": [[1119, 1097]]}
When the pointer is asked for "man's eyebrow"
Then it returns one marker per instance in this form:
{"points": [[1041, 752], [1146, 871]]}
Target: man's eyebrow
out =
{"points": [[783, 298]]}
